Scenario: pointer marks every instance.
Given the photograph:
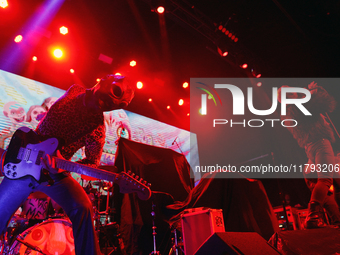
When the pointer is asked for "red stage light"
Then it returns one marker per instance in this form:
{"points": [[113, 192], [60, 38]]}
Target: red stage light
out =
{"points": [[58, 53], [244, 66], [118, 74], [98, 80], [139, 85], [259, 84], [133, 63], [185, 85], [160, 9], [18, 38], [230, 35], [63, 30], [188, 114], [223, 30], [227, 32], [236, 39], [180, 102], [3, 3], [34, 58], [150, 99], [220, 27], [233, 37], [168, 107], [224, 54], [258, 76], [71, 70]]}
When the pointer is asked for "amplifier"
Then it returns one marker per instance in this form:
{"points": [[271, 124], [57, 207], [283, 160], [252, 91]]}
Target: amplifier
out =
{"points": [[198, 224]]}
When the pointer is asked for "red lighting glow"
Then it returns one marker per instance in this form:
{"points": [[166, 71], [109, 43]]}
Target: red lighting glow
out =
{"points": [[3, 3], [160, 9], [180, 102], [150, 99], [63, 30], [258, 76], [118, 74], [224, 54], [220, 27], [185, 85], [227, 32], [259, 84], [71, 70], [34, 58], [18, 38], [139, 85], [188, 114], [236, 39], [98, 80], [168, 107], [244, 66], [133, 63]]}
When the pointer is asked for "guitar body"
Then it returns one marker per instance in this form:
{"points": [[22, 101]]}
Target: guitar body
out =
{"points": [[24, 154]]}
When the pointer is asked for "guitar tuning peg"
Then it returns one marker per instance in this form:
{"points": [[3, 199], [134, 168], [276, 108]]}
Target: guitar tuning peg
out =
{"points": [[137, 177], [133, 174], [145, 182], [141, 179], [129, 172]]}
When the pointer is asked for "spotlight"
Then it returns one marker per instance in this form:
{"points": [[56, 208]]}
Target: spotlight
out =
{"points": [[259, 84], [244, 66], [150, 99], [258, 76], [185, 85], [133, 63], [71, 70], [98, 79], [188, 114], [3, 3], [118, 74], [160, 9], [139, 85], [222, 52], [34, 58], [58, 53], [168, 107], [180, 102], [18, 38], [63, 30]]}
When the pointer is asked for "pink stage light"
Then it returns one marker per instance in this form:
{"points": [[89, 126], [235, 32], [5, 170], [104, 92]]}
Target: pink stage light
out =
{"points": [[180, 102], [185, 85], [133, 63], [244, 66], [34, 58], [63, 30]]}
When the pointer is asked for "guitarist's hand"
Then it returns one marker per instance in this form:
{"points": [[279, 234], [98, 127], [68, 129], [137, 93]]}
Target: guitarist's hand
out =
{"points": [[49, 163]]}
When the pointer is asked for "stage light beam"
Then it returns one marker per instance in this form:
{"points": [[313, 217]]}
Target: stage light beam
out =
{"points": [[139, 85], [160, 9], [133, 63], [63, 30], [58, 53], [18, 38], [3, 3]]}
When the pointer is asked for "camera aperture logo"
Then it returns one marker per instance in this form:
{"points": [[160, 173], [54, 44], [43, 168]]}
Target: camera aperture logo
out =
{"points": [[239, 104]]}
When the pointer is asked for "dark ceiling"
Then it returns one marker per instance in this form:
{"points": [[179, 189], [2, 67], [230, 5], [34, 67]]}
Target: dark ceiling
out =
{"points": [[276, 39]]}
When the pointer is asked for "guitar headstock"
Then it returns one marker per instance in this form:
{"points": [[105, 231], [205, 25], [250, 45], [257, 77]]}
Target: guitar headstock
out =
{"points": [[129, 182]]}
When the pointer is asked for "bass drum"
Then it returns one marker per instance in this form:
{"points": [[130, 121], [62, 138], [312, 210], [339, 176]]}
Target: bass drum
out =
{"points": [[53, 236]]}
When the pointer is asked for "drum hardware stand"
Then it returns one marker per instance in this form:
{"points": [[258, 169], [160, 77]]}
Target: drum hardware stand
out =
{"points": [[153, 215], [176, 246], [35, 248]]}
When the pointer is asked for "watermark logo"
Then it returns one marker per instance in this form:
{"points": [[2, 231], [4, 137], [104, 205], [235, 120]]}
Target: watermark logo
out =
{"points": [[203, 110]]}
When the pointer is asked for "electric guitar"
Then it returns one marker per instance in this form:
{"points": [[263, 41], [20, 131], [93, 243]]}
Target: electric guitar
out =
{"points": [[24, 153]]}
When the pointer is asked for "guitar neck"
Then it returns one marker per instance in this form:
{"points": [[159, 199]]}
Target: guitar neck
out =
{"points": [[85, 170]]}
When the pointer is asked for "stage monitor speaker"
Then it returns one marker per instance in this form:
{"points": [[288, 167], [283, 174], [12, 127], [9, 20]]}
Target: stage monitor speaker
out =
{"points": [[236, 243]]}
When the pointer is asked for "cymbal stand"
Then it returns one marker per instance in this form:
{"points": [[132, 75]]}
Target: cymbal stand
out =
{"points": [[153, 214]]}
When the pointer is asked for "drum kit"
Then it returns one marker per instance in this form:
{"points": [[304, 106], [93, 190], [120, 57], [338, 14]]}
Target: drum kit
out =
{"points": [[53, 234]]}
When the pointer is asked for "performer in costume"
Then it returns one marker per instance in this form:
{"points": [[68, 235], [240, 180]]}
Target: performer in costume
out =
{"points": [[77, 120], [314, 134]]}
